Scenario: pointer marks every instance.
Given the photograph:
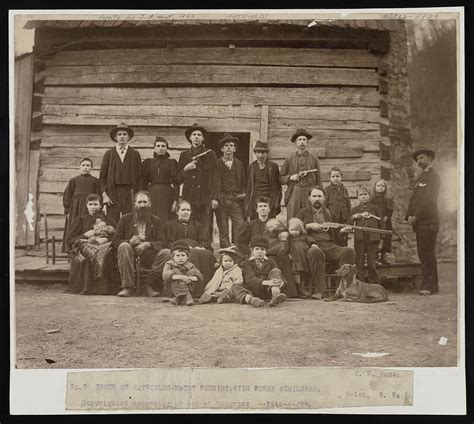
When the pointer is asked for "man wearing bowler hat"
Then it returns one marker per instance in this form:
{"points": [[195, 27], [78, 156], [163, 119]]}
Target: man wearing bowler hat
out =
{"points": [[230, 190], [199, 176], [120, 172], [262, 181], [294, 174], [422, 215]]}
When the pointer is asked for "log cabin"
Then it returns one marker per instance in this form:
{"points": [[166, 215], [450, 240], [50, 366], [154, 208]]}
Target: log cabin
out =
{"points": [[345, 81]]}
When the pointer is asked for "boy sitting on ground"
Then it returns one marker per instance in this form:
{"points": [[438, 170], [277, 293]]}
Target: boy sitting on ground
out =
{"points": [[180, 274]]}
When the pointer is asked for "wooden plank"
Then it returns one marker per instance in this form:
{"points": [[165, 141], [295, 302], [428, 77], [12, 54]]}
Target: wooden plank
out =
{"points": [[208, 74], [281, 150], [264, 124], [220, 55], [61, 174], [285, 133], [23, 85], [328, 113], [313, 124], [32, 193], [312, 96]]}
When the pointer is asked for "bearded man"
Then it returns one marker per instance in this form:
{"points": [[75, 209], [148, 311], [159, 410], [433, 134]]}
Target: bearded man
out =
{"points": [[145, 240]]}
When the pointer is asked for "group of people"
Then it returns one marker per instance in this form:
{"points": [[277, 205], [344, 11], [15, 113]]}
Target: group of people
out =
{"points": [[147, 220]]}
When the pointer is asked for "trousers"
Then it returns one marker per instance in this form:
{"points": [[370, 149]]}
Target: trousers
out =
{"points": [[426, 245], [228, 208], [369, 248], [122, 202]]}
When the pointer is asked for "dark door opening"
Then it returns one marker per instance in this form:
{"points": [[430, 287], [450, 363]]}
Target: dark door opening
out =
{"points": [[243, 147]]}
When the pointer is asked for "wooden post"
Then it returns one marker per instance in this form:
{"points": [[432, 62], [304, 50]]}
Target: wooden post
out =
{"points": [[264, 123]]}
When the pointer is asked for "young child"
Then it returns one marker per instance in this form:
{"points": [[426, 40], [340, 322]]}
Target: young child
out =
{"points": [[338, 202], [299, 244], [229, 273], [261, 276], [180, 274], [381, 198], [76, 192], [365, 243], [102, 232]]}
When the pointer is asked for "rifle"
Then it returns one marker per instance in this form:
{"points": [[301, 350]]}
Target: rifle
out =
{"points": [[136, 233], [327, 225], [194, 158]]}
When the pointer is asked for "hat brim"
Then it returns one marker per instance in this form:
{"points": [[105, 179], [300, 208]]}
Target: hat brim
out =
{"points": [[189, 131], [295, 136], [232, 253], [114, 131], [234, 140], [428, 152], [260, 149]]}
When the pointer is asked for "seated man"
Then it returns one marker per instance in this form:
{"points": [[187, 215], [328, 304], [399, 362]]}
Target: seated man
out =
{"points": [[324, 248], [145, 239]]}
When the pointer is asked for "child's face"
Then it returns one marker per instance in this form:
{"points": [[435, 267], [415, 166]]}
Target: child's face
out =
{"points": [[336, 178], [294, 230], [99, 223], [228, 148], [180, 257], [263, 209], [196, 138], [93, 206], [261, 155], [122, 138], [363, 196], [85, 167], [380, 187], [259, 252], [160, 148], [301, 142], [227, 262]]}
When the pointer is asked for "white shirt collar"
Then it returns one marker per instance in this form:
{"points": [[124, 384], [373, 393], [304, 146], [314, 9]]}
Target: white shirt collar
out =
{"points": [[118, 148]]}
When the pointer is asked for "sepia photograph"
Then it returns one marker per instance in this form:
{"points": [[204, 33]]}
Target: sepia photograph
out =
{"points": [[236, 190]]}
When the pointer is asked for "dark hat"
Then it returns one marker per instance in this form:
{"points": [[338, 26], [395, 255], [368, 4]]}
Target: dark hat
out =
{"points": [[231, 251], [195, 127], [180, 245], [259, 241], [299, 132], [226, 139], [425, 150], [260, 145], [122, 126]]}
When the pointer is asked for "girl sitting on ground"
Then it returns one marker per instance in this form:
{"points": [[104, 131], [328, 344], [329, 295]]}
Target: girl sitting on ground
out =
{"points": [[181, 275], [219, 288]]}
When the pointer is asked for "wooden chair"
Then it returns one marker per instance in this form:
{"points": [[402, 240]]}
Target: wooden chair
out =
{"points": [[141, 274], [50, 240], [331, 279]]}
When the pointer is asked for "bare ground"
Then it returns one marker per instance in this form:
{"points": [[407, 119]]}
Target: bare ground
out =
{"points": [[112, 332]]}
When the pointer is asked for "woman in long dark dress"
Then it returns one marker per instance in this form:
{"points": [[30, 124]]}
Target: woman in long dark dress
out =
{"points": [[92, 265], [159, 177], [195, 236]]}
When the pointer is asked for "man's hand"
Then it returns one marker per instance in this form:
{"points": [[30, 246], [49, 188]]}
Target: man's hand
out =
{"points": [[214, 204], [240, 196], [106, 199], [302, 174], [142, 247], [89, 233], [295, 177], [193, 278], [283, 236], [346, 229], [412, 220], [314, 226], [135, 240], [174, 206], [190, 166]]}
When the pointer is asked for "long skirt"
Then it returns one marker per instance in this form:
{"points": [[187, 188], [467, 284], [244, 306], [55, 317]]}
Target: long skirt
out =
{"points": [[162, 198], [78, 208], [205, 262]]}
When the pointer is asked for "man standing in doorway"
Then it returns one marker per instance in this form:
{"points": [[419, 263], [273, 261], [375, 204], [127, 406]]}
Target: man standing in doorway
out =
{"points": [[120, 172], [230, 190], [199, 176], [422, 215]]}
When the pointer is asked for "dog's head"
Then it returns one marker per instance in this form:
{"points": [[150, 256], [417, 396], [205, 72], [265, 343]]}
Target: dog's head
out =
{"points": [[346, 270]]}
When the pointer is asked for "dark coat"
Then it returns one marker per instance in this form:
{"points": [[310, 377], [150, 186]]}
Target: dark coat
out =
{"points": [[193, 233], [290, 166], [306, 215], [338, 202], [110, 174], [275, 188], [386, 208], [153, 232], [84, 223], [367, 222], [240, 176], [253, 276], [423, 202], [200, 184], [161, 170], [248, 230]]}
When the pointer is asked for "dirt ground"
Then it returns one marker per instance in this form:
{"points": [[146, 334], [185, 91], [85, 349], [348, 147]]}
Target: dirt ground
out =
{"points": [[113, 332]]}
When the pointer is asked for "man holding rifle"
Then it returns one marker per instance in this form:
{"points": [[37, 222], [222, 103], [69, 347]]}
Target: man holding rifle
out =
{"points": [[197, 171], [140, 235], [324, 248], [300, 171]]}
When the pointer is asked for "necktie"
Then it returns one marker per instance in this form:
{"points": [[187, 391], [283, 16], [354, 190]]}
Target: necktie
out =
{"points": [[122, 150], [259, 264]]}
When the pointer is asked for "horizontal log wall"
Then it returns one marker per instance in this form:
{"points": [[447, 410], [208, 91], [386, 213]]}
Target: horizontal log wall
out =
{"points": [[268, 92]]}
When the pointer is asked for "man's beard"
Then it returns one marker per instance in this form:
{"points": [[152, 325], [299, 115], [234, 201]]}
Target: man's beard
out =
{"points": [[317, 204], [142, 214]]}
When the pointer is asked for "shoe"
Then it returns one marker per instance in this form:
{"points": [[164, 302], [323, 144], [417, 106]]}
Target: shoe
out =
{"points": [[383, 259], [424, 292], [174, 301], [317, 296], [305, 292], [151, 293], [256, 302], [223, 297], [279, 298], [205, 298], [189, 300], [125, 293]]}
